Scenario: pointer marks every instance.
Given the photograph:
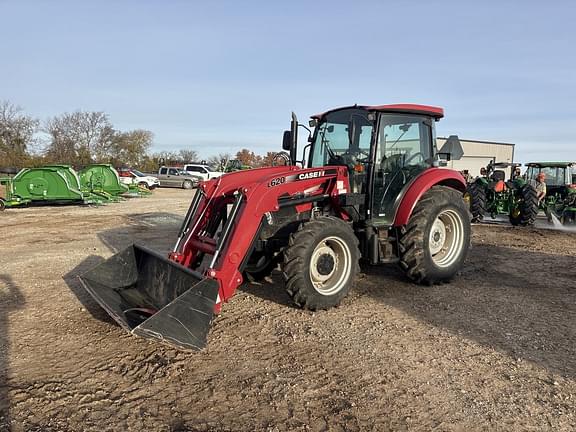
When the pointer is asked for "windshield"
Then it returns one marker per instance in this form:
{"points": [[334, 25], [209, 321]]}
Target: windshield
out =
{"points": [[555, 176], [138, 173], [342, 135]]}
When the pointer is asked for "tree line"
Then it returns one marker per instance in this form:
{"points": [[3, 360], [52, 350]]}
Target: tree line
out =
{"points": [[83, 137]]}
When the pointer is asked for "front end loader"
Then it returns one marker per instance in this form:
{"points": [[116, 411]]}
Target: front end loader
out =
{"points": [[372, 189]]}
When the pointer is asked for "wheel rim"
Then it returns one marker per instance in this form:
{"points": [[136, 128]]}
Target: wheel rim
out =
{"points": [[446, 238], [330, 265]]}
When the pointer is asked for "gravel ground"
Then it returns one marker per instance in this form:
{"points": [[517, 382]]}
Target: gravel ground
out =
{"points": [[494, 350]]}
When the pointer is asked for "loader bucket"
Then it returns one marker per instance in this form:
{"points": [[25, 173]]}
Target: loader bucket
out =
{"points": [[153, 297]]}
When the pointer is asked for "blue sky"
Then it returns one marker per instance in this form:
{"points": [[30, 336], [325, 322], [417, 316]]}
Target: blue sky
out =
{"points": [[221, 75]]}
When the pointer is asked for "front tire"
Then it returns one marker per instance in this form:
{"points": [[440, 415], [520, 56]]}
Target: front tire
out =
{"points": [[2, 205], [321, 263], [434, 244], [187, 184], [144, 185]]}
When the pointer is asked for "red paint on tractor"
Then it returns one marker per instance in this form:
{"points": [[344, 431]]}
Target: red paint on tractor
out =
{"points": [[261, 190], [422, 183], [432, 111]]}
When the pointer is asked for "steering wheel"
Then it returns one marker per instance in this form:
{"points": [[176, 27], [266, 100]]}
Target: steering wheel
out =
{"points": [[356, 156], [406, 162]]}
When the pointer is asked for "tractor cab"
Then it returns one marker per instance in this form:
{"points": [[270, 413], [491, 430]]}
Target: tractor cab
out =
{"points": [[385, 148], [559, 175], [560, 178]]}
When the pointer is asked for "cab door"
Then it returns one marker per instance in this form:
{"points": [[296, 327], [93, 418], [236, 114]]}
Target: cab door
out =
{"points": [[404, 149]]}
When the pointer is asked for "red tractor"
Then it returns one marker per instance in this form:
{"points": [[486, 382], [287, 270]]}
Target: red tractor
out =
{"points": [[371, 190]]}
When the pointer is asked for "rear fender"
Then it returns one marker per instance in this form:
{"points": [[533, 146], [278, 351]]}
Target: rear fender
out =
{"points": [[425, 181]]}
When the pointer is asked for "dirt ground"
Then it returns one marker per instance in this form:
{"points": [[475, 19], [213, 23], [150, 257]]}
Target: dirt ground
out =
{"points": [[494, 350]]}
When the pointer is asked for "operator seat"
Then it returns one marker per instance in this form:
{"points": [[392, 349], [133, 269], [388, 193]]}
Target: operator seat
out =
{"points": [[498, 175], [392, 163]]}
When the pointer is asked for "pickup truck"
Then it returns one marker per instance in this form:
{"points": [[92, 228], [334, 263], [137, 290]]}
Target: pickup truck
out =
{"points": [[177, 177], [203, 171], [130, 176]]}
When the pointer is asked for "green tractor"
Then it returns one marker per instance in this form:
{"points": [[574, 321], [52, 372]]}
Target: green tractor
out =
{"points": [[491, 194], [235, 165], [560, 201]]}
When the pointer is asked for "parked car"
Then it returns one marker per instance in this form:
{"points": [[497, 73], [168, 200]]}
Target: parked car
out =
{"points": [[130, 176], [177, 177], [203, 171]]}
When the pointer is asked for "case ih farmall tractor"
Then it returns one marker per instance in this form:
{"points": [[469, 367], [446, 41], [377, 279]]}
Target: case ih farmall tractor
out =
{"points": [[492, 194], [371, 189]]}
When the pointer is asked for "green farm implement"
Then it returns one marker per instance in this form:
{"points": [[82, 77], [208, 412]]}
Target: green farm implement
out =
{"points": [[102, 180], [492, 194], [55, 184]]}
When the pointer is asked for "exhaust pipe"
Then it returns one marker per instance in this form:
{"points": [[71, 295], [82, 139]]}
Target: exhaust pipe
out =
{"points": [[151, 296]]}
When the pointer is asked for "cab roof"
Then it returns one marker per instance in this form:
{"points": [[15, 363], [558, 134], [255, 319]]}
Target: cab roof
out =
{"points": [[431, 111], [551, 164]]}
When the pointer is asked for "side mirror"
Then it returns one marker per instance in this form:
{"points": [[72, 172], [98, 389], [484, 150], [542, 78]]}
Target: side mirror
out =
{"points": [[446, 157], [287, 140], [442, 159]]}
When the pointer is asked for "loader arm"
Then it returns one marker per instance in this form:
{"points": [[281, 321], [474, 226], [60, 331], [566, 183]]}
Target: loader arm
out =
{"points": [[227, 212]]}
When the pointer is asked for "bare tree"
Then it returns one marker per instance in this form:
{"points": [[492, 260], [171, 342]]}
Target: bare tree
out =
{"points": [[130, 148], [187, 155], [219, 161], [16, 133], [79, 137]]}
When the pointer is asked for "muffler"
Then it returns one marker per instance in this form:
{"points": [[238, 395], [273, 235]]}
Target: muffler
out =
{"points": [[154, 297]]}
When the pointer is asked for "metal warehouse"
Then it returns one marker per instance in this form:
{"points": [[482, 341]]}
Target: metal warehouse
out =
{"points": [[478, 154]]}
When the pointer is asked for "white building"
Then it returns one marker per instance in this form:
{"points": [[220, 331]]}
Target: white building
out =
{"points": [[478, 154]]}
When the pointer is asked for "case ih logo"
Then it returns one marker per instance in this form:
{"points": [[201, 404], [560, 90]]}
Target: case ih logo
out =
{"points": [[310, 175], [303, 176]]}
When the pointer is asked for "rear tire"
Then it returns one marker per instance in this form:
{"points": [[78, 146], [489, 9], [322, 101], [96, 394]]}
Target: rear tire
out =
{"points": [[434, 244], [476, 196], [525, 214], [321, 263], [2, 205]]}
